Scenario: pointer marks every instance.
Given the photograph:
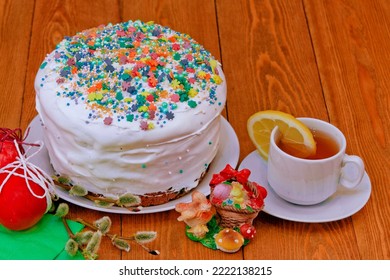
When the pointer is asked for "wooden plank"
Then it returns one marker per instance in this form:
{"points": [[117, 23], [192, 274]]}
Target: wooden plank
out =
{"points": [[50, 24], [268, 57], [171, 241], [327, 59], [15, 29], [351, 41], [197, 19], [278, 239]]}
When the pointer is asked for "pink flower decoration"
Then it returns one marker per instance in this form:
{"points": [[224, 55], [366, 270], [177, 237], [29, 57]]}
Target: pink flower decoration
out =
{"points": [[175, 97], [107, 121]]}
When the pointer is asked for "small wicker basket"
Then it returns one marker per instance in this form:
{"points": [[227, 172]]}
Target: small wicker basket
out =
{"points": [[229, 216]]}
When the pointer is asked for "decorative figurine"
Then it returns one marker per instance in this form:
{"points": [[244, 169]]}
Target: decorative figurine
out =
{"points": [[224, 222]]}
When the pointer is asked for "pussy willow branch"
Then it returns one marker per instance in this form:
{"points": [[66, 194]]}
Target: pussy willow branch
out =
{"points": [[68, 230], [113, 236], [94, 197]]}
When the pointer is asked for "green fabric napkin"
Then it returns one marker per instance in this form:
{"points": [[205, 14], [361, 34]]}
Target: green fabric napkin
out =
{"points": [[44, 241]]}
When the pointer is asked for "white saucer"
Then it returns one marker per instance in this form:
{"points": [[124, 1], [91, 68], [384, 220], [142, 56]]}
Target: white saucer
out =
{"points": [[228, 153], [342, 204]]}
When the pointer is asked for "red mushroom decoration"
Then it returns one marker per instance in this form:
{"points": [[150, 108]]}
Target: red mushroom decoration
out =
{"points": [[248, 231]]}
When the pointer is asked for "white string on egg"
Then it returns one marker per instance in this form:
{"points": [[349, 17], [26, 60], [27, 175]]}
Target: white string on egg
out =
{"points": [[31, 172]]}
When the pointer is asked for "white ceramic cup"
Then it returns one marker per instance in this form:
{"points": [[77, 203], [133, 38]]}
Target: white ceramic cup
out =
{"points": [[311, 181]]}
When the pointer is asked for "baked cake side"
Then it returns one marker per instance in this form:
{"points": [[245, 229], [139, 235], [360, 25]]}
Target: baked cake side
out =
{"points": [[131, 108]]}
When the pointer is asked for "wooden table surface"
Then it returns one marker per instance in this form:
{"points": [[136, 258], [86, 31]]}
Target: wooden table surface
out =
{"points": [[328, 59]]}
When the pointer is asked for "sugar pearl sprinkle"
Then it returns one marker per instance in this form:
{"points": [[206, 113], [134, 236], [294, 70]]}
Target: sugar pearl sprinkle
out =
{"points": [[134, 72]]}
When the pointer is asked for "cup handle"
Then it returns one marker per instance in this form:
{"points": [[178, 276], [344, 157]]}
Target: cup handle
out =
{"points": [[352, 180]]}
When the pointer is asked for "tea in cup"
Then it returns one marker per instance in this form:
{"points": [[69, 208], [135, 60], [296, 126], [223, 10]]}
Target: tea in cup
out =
{"points": [[311, 180]]}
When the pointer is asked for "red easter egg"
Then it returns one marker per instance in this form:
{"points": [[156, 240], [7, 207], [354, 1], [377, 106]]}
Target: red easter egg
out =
{"points": [[19, 208], [8, 153]]}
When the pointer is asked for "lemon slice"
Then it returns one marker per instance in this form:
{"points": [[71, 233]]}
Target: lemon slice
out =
{"points": [[297, 139]]}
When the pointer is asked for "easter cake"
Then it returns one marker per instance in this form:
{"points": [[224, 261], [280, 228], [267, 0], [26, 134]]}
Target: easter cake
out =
{"points": [[131, 108]]}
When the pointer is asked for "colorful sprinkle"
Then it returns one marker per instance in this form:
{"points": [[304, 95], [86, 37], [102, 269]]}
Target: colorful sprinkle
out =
{"points": [[107, 120], [43, 65], [192, 103]]}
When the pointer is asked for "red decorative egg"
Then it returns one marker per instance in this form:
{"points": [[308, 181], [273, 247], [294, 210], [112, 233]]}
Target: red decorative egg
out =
{"points": [[8, 153], [9, 139], [21, 206]]}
